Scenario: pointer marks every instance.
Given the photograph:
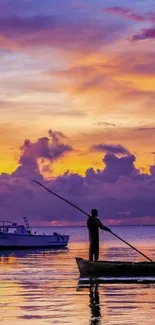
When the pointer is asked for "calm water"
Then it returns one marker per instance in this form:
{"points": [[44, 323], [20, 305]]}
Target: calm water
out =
{"points": [[42, 287]]}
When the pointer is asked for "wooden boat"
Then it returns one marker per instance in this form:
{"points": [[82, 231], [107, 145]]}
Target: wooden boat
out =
{"points": [[115, 269]]}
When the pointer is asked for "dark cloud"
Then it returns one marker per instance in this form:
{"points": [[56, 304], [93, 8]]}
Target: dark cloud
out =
{"points": [[144, 34], [116, 149], [116, 167], [51, 149], [100, 123], [145, 129]]}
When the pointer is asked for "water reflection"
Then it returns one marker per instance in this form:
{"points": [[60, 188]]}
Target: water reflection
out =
{"points": [[118, 303], [94, 301], [94, 304], [30, 251], [16, 258]]}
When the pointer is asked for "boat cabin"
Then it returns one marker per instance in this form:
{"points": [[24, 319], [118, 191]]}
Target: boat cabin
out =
{"points": [[21, 230], [13, 228]]}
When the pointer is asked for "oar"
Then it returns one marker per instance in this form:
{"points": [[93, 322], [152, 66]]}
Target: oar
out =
{"points": [[60, 197]]}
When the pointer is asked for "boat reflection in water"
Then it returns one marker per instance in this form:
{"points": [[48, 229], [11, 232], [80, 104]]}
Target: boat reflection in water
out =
{"points": [[31, 251], [94, 301], [6, 255], [17, 259]]}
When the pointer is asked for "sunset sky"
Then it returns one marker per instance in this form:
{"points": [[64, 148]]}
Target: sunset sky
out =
{"points": [[77, 105]]}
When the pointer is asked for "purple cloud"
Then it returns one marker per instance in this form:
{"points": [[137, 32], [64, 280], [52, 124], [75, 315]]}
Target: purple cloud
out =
{"points": [[117, 187], [116, 149], [56, 31], [55, 135], [50, 148], [116, 167], [44, 148], [125, 12], [144, 34]]}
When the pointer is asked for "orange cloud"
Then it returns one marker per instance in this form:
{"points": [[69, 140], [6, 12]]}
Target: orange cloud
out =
{"points": [[103, 85]]}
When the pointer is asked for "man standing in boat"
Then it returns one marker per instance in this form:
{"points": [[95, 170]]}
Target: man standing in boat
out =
{"points": [[93, 225]]}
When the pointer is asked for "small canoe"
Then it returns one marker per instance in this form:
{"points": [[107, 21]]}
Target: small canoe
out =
{"points": [[115, 268]]}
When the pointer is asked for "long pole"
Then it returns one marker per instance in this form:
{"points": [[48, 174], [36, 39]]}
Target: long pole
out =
{"points": [[73, 205]]}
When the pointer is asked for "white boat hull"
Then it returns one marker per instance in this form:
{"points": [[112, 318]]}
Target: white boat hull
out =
{"points": [[17, 241]]}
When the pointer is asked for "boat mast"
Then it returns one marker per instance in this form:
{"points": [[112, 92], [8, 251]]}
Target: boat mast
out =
{"points": [[26, 223]]}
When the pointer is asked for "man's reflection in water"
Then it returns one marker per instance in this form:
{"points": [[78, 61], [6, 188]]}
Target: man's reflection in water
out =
{"points": [[94, 304]]}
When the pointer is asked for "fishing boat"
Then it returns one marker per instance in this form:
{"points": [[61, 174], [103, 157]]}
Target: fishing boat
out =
{"points": [[14, 236], [115, 269]]}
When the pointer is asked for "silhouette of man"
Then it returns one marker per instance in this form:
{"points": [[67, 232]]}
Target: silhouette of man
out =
{"points": [[93, 225]]}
